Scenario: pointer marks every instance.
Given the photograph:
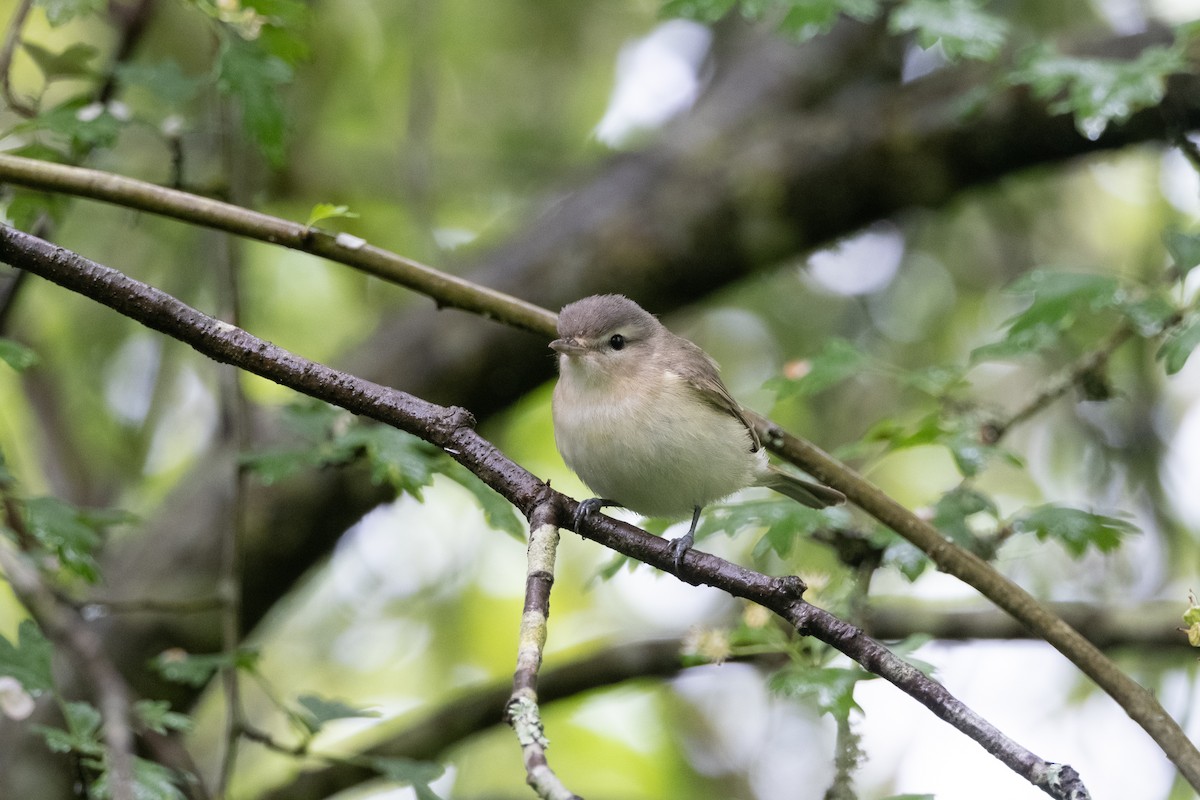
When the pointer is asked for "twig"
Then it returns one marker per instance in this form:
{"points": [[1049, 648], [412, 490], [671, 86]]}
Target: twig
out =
{"points": [[11, 39], [149, 605], [446, 290], [1087, 365], [522, 710], [229, 582], [452, 430]]}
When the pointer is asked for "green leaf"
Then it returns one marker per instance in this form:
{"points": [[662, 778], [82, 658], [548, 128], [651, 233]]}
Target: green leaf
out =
{"points": [[315, 711], [17, 355], [196, 670], [937, 382], [396, 458], [254, 78], [164, 79], [699, 10], [81, 735], [59, 12], [1179, 345], [319, 424], [831, 689], [29, 659], [497, 512], [1097, 91], [82, 124], [953, 512], [70, 63], [71, 534], [323, 211], [151, 781], [808, 18], [1184, 249], [417, 774], [962, 27], [785, 522], [838, 360], [1058, 300], [158, 716], [910, 561], [1076, 530]]}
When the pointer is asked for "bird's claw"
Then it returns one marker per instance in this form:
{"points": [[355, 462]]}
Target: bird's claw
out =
{"points": [[679, 547], [586, 508]]}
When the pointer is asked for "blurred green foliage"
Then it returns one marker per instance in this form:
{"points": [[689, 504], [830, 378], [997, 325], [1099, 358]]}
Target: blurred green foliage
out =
{"points": [[443, 125]]}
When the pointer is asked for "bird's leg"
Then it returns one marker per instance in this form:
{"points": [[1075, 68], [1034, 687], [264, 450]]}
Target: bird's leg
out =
{"points": [[590, 506], [684, 543]]}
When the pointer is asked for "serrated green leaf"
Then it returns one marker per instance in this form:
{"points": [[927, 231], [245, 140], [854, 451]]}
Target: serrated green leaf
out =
{"points": [[82, 733], [808, 18], [927, 430], [1097, 91], [497, 512], [323, 211], [830, 689], [906, 558], [59, 12], [254, 78], [396, 458], [1179, 344], [29, 659], [151, 781], [197, 669], [70, 534], [962, 27], [1058, 299], [17, 355], [316, 711], [70, 63], [1075, 529], [838, 360], [953, 512], [273, 466], [158, 716], [785, 522]]}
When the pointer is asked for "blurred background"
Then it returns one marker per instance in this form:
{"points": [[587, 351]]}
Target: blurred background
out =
{"points": [[767, 196]]}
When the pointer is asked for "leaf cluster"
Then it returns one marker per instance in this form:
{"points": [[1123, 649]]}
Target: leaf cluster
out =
{"points": [[329, 436], [1096, 91]]}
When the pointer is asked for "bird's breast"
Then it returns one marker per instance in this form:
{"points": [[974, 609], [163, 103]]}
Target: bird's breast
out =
{"points": [[654, 446]]}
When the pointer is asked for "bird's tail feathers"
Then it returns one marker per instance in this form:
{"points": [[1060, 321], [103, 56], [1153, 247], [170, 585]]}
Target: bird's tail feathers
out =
{"points": [[813, 495]]}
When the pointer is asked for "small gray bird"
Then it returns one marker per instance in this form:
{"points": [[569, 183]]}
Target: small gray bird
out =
{"points": [[641, 415]]}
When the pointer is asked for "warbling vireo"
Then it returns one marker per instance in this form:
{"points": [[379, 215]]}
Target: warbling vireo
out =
{"points": [[641, 415]]}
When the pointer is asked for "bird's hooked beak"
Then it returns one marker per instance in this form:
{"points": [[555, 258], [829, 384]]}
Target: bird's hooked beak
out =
{"points": [[569, 346]]}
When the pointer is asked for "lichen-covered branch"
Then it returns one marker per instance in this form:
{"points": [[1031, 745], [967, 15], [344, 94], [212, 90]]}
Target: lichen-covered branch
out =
{"points": [[523, 712]]}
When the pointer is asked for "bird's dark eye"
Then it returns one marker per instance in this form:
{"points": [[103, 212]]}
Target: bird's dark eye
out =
{"points": [[616, 341]]}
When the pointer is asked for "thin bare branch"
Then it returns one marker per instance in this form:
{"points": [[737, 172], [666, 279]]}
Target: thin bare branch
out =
{"points": [[12, 38], [523, 712], [446, 289]]}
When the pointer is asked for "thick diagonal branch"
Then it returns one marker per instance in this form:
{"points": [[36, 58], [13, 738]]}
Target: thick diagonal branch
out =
{"points": [[452, 429]]}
